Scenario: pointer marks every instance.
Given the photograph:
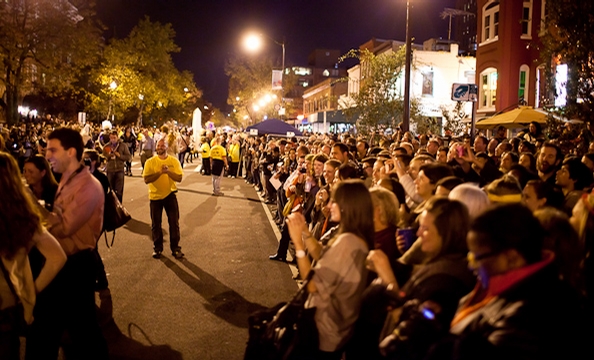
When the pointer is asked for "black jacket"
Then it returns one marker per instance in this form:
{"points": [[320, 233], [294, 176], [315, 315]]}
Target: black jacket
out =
{"points": [[540, 317]]}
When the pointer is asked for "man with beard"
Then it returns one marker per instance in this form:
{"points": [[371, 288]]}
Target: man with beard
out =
{"points": [[547, 162], [161, 172]]}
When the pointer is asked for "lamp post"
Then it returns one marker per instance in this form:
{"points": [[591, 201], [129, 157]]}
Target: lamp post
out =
{"points": [[113, 85], [408, 53], [141, 98], [253, 42]]}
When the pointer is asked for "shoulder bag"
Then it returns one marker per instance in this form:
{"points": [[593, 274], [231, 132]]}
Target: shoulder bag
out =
{"points": [[115, 216], [285, 331]]}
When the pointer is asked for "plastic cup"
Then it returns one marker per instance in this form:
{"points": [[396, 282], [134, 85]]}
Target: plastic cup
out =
{"points": [[409, 236]]}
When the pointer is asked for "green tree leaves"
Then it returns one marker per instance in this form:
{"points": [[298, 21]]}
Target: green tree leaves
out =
{"points": [[144, 74], [379, 103]]}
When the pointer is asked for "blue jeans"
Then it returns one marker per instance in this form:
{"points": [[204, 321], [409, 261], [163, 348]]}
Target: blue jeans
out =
{"points": [[216, 182], [172, 210]]}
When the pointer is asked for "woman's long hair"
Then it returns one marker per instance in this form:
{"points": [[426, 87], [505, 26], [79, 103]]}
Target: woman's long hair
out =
{"points": [[356, 210], [452, 222], [48, 180], [19, 218]]}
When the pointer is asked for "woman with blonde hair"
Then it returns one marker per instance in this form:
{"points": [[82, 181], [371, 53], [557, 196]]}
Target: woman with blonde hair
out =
{"points": [[21, 229], [385, 220]]}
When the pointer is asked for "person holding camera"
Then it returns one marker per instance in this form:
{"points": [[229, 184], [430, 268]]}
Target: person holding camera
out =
{"points": [[160, 173], [117, 154]]}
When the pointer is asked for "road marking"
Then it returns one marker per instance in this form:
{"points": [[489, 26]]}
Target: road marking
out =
{"points": [[276, 231]]}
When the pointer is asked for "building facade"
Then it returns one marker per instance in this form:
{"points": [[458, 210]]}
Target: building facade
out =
{"points": [[436, 66], [508, 72]]}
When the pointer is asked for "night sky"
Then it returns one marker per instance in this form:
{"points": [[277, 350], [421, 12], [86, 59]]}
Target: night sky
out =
{"points": [[209, 31]]}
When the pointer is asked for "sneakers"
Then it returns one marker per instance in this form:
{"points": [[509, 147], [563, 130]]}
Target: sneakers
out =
{"points": [[157, 254], [177, 254]]}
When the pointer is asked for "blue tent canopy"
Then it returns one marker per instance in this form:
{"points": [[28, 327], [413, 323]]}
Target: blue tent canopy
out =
{"points": [[274, 127]]}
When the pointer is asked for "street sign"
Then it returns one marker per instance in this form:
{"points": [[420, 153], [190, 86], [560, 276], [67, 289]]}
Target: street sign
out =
{"points": [[254, 132], [464, 92]]}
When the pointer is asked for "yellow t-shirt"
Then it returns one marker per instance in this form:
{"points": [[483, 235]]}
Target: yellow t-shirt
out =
{"points": [[205, 150], [164, 185], [218, 152], [234, 152]]}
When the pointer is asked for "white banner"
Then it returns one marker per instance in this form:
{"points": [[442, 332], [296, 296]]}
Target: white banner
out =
{"points": [[277, 80]]}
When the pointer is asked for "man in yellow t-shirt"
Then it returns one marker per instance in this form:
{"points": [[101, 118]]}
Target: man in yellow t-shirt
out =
{"points": [[161, 172], [218, 164]]}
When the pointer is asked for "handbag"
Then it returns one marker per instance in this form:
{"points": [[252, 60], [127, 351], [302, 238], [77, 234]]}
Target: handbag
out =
{"points": [[13, 318], [285, 331], [115, 216]]}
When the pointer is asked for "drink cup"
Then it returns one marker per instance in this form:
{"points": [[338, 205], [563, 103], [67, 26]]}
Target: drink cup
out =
{"points": [[409, 236]]}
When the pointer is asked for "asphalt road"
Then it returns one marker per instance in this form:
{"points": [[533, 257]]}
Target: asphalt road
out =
{"points": [[197, 307]]}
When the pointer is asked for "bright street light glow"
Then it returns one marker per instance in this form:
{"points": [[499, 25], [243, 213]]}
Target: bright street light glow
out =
{"points": [[268, 98], [252, 42], [113, 85], [141, 97], [245, 117], [237, 98], [256, 108], [261, 102]]}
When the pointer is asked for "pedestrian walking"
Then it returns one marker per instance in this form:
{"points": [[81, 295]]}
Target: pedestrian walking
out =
{"points": [[160, 173], [148, 147]]}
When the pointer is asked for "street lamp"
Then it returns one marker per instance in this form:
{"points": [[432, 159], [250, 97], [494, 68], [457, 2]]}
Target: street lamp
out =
{"points": [[406, 113], [253, 42], [112, 86]]}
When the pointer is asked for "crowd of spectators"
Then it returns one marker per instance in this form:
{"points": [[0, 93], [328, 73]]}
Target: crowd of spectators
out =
{"points": [[500, 263], [422, 247]]}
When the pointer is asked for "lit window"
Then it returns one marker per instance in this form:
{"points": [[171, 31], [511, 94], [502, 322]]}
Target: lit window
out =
{"points": [[523, 85], [490, 21], [543, 16], [428, 83], [488, 89]]}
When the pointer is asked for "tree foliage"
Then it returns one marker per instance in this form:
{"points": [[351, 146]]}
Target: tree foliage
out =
{"points": [[454, 124], [45, 45], [250, 82], [141, 68], [570, 24], [378, 104]]}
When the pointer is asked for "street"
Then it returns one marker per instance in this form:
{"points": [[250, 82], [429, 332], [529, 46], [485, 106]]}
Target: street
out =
{"points": [[195, 308]]}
